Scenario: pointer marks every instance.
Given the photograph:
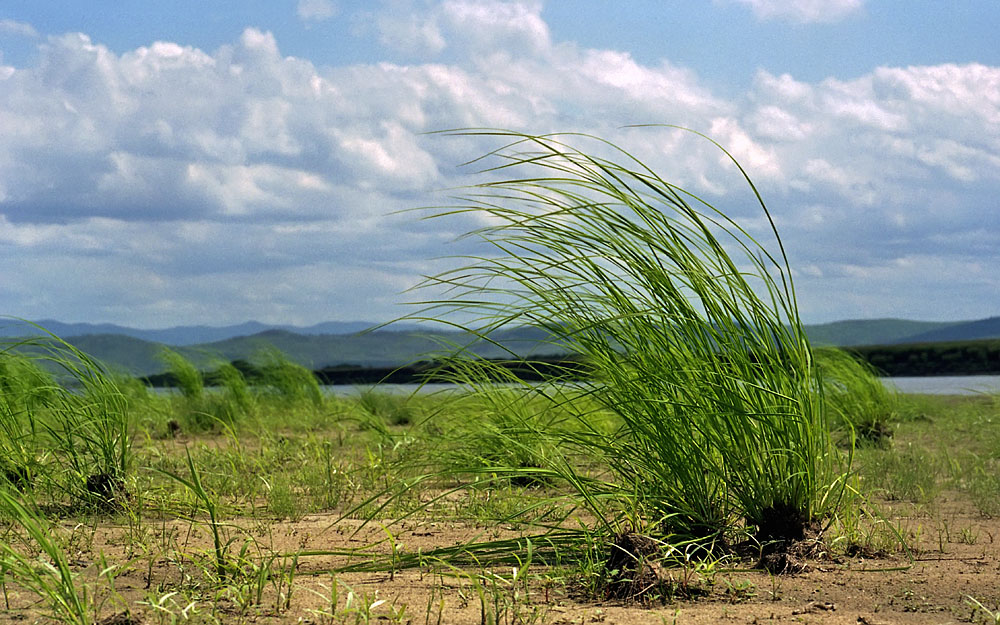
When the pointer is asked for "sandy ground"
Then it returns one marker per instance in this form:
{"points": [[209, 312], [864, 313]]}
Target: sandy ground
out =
{"points": [[955, 557]]}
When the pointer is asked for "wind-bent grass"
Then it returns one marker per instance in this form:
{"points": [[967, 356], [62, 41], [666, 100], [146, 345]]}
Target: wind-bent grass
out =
{"points": [[286, 380], [187, 378], [856, 400], [82, 414], [24, 388], [204, 410], [393, 409], [236, 387], [690, 326]]}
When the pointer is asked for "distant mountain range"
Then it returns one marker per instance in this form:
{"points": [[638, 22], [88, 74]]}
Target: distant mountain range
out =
{"points": [[180, 335], [876, 331], [137, 351]]}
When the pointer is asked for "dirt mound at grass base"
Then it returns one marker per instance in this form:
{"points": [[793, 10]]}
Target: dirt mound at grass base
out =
{"points": [[785, 555], [636, 572]]}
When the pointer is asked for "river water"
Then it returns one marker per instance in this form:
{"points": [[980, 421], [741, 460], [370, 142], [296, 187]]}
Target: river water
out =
{"points": [[931, 385], [946, 384]]}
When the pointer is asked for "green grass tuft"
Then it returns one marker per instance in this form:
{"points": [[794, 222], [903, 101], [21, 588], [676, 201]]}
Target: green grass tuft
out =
{"points": [[689, 324]]}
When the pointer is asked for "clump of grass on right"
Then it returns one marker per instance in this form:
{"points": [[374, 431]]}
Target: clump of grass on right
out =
{"points": [[688, 324], [857, 402]]}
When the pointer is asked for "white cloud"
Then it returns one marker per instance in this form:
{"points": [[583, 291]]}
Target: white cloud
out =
{"points": [[882, 136], [315, 10], [14, 27], [417, 34], [511, 25], [776, 124], [761, 160], [804, 11], [168, 162]]}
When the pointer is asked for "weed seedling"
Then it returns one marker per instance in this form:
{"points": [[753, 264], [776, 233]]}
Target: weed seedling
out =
{"points": [[194, 484]]}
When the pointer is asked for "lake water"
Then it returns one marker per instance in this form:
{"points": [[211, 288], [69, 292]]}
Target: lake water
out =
{"points": [[353, 390], [946, 384], [931, 385]]}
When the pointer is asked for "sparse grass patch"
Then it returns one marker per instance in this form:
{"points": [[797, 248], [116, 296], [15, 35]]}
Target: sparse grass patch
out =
{"points": [[905, 473], [703, 436]]}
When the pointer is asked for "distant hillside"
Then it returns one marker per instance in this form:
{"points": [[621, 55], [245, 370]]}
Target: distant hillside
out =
{"points": [[180, 335], [123, 354], [126, 349], [967, 331], [872, 331], [375, 349]]}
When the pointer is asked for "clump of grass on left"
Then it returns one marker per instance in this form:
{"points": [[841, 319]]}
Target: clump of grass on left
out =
{"points": [[66, 443], [65, 424]]}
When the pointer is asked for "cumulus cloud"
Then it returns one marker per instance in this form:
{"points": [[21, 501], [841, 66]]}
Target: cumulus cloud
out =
{"points": [[892, 130], [804, 11], [244, 131], [315, 10], [169, 165], [481, 28], [410, 32], [493, 25], [14, 27]]}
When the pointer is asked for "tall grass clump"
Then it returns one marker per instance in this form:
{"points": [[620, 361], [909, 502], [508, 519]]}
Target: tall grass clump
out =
{"points": [[186, 377], [689, 325], [205, 409], [283, 379], [76, 405], [856, 400], [24, 389], [392, 408], [235, 386]]}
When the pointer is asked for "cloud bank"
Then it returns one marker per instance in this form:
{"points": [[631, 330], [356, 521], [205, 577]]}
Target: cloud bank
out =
{"points": [[169, 184], [804, 11], [315, 10]]}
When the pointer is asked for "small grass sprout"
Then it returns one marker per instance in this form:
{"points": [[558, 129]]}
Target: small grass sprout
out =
{"points": [[50, 577]]}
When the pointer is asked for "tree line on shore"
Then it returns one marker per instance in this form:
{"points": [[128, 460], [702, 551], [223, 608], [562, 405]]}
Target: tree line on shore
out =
{"points": [[539, 369], [940, 358], [915, 359]]}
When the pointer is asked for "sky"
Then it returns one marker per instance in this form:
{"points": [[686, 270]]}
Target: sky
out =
{"points": [[215, 162]]}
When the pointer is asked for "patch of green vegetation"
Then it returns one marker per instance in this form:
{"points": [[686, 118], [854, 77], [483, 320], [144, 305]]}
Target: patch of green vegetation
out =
{"points": [[943, 443], [713, 384], [68, 433], [494, 458], [705, 431], [855, 399]]}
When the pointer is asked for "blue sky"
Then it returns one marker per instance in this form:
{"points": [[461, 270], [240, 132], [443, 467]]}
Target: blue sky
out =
{"points": [[214, 162]]}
